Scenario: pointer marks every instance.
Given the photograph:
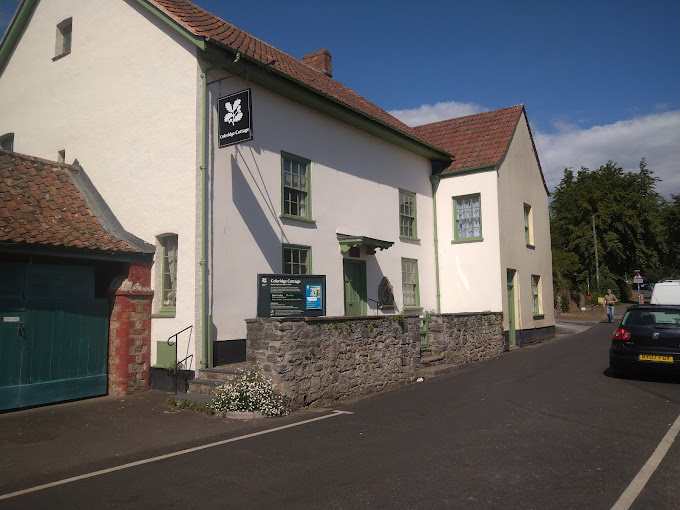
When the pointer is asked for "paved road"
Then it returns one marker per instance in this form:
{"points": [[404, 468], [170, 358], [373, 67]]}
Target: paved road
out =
{"points": [[538, 428]]}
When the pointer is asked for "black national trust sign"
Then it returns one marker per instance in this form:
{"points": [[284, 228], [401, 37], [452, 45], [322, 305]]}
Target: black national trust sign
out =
{"points": [[235, 124]]}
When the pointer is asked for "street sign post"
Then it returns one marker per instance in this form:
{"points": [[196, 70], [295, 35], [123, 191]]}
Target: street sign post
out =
{"points": [[638, 279]]}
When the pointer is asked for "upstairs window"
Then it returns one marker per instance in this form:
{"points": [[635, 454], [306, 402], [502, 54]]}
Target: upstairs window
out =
{"points": [[467, 218], [407, 214], [297, 259], [7, 142], [295, 187], [64, 31], [528, 226]]}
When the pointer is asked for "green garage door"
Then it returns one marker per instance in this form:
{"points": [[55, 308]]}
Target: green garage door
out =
{"points": [[53, 335]]}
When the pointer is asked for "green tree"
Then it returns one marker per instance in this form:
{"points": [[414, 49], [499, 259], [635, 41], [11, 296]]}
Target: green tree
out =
{"points": [[670, 215], [626, 212]]}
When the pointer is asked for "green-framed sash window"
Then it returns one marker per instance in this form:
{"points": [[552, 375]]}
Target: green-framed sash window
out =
{"points": [[407, 215], [295, 187], [409, 283], [536, 294], [528, 225], [467, 218], [297, 259], [169, 247]]}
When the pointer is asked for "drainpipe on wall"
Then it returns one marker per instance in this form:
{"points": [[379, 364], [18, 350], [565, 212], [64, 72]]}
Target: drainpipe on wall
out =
{"points": [[206, 329], [435, 185]]}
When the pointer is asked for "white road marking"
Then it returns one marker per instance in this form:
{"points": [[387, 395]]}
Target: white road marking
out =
{"points": [[639, 482], [167, 456]]}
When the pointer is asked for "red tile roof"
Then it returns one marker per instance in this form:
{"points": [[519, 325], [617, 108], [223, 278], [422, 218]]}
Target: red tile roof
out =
{"points": [[40, 205], [475, 141], [203, 24]]}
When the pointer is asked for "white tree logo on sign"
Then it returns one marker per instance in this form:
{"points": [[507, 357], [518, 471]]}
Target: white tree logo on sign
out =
{"points": [[234, 113]]}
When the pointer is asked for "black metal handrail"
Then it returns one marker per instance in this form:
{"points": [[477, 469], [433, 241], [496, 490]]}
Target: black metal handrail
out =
{"points": [[188, 356]]}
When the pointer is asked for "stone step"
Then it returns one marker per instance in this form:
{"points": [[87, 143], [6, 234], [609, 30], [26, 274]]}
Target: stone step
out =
{"points": [[430, 371], [193, 397], [203, 386], [431, 360], [224, 373]]}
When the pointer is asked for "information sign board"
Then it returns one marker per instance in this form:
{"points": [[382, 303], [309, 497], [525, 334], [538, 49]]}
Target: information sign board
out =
{"points": [[291, 295]]}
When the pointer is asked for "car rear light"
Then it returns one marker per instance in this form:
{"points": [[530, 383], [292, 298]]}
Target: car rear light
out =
{"points": [[621, 334]]}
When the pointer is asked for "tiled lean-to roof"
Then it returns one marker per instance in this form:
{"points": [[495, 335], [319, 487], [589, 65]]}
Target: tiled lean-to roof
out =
{"points": [[41, 206], [477, 140], [204, 24]]}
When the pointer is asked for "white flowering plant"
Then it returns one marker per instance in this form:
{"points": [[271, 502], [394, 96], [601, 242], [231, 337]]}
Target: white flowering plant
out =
{"points": [[249, 391]]}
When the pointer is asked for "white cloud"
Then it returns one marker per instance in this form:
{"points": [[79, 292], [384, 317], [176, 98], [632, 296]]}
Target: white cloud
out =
{"points": [[654, 137], [426, 113]]}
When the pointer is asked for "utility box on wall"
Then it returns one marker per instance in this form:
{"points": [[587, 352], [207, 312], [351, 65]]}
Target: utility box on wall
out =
{"points": [[285, 295]]}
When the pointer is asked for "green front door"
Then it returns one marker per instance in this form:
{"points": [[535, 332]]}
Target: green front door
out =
{"points": [[511, 308], [53, 335], [354, 272]]}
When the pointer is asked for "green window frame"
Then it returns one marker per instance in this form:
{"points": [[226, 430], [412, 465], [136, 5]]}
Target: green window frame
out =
{"points": [[64, 37], [296, 187], [410, 286], [536, 295], [297, 259], [408, 218], [467, 218], [169, 248], [528, 226]]}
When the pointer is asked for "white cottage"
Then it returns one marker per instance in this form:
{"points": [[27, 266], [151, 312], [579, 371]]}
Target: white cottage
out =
{"points": [[141, 93]]}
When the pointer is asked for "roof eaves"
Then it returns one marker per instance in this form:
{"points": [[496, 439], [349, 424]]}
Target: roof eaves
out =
{"points": [[197, 40], [380, 128], [14, 30]]}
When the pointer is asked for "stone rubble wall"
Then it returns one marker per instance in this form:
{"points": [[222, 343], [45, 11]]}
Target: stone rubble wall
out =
{"points": [[327, 359], [467, 337]]}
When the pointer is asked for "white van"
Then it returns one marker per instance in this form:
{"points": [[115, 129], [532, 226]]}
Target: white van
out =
{"points": [[666, 293]]}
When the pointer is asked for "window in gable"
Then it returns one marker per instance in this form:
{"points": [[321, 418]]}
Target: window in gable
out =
{"points": [[297, 259], [407, 215], [7, 141], [64, 32], [528, 225], [295, 187], [467, 218], [61, 156]]}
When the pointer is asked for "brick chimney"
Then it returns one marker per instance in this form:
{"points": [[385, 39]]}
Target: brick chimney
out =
{"points": [[319, 60]]}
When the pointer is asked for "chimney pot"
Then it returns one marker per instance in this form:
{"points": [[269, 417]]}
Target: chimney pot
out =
{"points": [[321, 61]]}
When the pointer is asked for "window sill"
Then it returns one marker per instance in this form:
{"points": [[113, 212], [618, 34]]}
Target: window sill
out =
{"points": [[296, 218], [54, 59], [164, 314], [413, 308], [409, 238], [539, 317], [531, 246], [468, 240]]}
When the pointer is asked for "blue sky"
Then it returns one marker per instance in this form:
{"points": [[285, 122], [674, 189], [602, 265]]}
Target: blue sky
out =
{"points": [[600, 79]]}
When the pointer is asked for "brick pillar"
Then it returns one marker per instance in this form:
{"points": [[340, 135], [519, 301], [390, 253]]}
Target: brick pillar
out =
{"points": [[130, 331]]}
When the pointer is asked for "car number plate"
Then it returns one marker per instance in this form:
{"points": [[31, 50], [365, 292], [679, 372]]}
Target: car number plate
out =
{"points": [[654, 357]]}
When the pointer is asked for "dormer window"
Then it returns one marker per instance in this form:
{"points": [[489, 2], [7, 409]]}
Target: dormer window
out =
{"points": [[63, 45]]}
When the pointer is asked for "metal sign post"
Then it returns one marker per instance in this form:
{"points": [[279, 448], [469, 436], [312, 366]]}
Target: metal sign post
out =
{"points": [[638, 279]]}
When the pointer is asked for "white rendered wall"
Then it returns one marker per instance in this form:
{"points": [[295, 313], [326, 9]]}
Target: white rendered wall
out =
{"points": [[355, 181], [519, 182], [124, 103], [468, 271]]}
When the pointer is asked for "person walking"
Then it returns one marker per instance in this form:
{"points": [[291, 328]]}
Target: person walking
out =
{"points": [[609, 300]]}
